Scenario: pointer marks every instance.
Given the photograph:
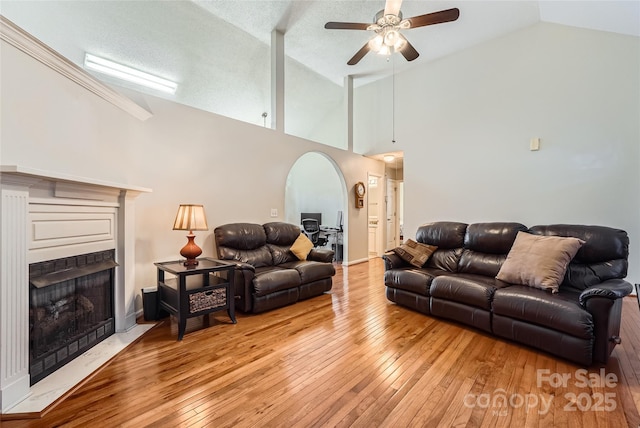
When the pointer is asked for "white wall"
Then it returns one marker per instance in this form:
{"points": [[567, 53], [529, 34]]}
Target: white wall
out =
{"points": [[232, 77], [237, 170], [314, 106], [465, 122]]}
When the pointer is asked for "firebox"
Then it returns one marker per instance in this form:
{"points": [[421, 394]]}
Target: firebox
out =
{"points": [[70, 309]]}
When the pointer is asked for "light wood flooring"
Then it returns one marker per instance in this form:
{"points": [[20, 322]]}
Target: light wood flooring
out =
{"points": [[349, 358]]}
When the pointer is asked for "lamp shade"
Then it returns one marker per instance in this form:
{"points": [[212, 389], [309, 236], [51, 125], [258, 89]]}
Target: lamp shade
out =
{"points": [[190, 217]]}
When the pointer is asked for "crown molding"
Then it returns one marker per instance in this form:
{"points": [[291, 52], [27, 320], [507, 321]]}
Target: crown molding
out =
{"points": [[22, 40]]}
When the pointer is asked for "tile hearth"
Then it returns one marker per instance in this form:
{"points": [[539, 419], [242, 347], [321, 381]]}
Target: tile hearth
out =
{"points": [[48, 390]]}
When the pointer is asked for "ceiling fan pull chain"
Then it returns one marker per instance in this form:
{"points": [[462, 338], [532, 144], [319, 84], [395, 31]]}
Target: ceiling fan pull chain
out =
{"points": [[393, 101]]}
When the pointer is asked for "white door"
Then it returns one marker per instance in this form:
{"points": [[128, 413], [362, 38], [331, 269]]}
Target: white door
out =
{"points": [[375, 213], [373, 229], [393, 228]]}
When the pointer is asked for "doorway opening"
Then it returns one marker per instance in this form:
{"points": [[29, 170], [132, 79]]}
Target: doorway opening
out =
{"points": [[316, 187], [386, 205], [394, 202]]}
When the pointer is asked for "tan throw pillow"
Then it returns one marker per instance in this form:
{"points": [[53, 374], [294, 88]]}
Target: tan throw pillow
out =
{"points": [[301, 247], [539, 261], [414, 252]]}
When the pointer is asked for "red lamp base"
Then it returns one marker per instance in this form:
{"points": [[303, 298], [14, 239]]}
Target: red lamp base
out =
{"points": [[190, 251]]}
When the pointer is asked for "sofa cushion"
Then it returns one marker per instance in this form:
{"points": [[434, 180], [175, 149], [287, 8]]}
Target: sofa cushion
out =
{"points": [[486, 246], [281, 254], [241, 236], [280, 233], [270, 280], [539, 261], [474, 290], [301, 247], [604, 255], [259, 257], [310, 271], [474, 262], [243, 242], [492, 238], [446, 260], [410, 279], [448, 236], [560, 312], [415, 253], [442, 234]]}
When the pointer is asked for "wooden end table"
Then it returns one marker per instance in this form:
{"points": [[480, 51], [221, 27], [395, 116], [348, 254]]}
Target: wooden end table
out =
{"points": [[196, 290]]}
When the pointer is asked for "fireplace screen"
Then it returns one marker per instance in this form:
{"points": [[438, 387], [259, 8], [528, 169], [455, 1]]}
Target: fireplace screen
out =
{"points": [[71, 309]]}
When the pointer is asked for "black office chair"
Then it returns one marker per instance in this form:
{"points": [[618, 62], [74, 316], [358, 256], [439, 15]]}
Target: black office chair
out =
{"points": [[311, 228]]}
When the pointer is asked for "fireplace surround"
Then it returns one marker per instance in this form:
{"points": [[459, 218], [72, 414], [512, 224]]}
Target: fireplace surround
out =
{"points": [[50, 216]]}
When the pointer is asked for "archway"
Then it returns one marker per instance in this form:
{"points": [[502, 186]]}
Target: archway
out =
{"points": [[315, 184]]}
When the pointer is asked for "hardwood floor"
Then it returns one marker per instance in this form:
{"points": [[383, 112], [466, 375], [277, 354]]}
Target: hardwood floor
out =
{"points": [[349, 358]]}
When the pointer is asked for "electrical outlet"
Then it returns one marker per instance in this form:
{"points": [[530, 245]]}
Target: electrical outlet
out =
{"points": [[274, 212]]}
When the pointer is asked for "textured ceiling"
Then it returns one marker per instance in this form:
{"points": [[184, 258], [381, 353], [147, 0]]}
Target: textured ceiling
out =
{"points": [[175, 28], [327, 51]]}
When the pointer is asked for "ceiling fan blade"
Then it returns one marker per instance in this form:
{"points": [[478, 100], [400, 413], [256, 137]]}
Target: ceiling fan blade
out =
{"points": [[408, 51], [434, 18], [345, 26], [359, 55], [392, 7]]}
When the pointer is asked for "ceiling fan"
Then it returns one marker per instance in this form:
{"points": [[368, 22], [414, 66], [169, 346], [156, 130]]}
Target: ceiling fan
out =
{"points": [[387, 25]]}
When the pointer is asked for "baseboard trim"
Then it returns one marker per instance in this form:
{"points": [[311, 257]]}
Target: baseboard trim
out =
{"points": [[355, 262]]}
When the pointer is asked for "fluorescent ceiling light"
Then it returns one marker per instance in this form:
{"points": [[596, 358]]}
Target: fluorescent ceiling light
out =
{"points": [[129, 74]]}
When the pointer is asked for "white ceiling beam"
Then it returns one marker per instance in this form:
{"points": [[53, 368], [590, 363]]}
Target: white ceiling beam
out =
{"points": [[277, 80]]}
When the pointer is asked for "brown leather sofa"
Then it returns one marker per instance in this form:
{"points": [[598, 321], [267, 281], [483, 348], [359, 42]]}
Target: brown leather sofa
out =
{"points": [[580, 323], [268, 275]]}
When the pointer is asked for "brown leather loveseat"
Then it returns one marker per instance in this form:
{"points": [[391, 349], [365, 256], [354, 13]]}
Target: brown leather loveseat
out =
{"points": [[268, 274], [580, 322]]}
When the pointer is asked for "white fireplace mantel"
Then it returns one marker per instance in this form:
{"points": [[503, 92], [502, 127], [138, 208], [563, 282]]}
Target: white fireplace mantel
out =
{"points": [[27, 195]]}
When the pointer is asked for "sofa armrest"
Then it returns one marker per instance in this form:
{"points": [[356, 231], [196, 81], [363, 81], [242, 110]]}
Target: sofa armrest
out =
{"points": [[321, 255], [392, 261], [243, 282], [612, 289], [604, 302]]}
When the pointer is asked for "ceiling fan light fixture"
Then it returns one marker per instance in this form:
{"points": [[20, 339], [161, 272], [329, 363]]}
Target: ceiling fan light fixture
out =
{"points": [[388, 25], [376, 43], [385, 50], [391, 37]]}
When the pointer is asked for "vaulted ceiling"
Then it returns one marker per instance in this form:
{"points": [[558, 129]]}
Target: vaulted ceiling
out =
{"points": [[122, 26], [327, 51], [196, 42]]}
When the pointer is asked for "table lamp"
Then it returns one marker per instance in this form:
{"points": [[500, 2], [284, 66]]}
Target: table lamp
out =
{"points": [[190, 217]]}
